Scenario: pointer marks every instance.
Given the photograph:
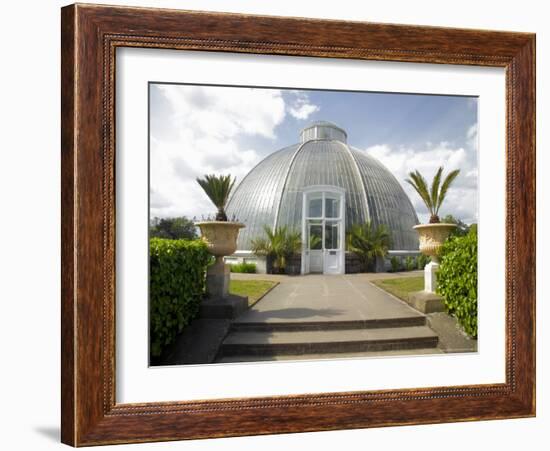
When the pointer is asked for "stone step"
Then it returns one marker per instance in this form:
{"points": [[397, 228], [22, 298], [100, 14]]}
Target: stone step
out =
{"points": [[282, 326], [327, 341], [227, 308], [326, 356]]}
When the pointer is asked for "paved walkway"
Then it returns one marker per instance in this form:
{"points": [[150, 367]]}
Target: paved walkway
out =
{"points": [[320, 298]]}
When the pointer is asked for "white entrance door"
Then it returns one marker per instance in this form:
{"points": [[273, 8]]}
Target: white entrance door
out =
{"points": [[332, 252], [315, 244], [323, 227]]}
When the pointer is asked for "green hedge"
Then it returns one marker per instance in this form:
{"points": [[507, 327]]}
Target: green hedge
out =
{"points": [[176, 287], [457, 280], [244, 267]]}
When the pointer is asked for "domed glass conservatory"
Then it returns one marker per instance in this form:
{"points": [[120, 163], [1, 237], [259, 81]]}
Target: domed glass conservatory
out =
{"points": [[321, 186]]}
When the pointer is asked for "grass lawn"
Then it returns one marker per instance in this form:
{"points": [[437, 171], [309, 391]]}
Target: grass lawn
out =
{"points": [[254, 289], [401, 286]]}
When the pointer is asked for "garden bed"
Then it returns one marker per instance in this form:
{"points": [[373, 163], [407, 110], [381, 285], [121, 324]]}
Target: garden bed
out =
{"points": [[401, 287], [253, 289]]}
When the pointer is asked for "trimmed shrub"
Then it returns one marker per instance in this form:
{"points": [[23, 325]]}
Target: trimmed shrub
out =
{"points": [[177, 286], [457, 280], [244, 267], [410, 263], [421, 261], [395, 264]]}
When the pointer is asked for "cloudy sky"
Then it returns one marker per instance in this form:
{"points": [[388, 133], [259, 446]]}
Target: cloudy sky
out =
{"points": [[197, 130]]}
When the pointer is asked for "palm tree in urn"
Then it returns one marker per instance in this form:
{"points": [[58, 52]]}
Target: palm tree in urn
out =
{"points": [[217, 188], [434, 196]]}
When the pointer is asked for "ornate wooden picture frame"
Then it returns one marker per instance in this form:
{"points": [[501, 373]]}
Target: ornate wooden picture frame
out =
{"points": [[90, 37]]}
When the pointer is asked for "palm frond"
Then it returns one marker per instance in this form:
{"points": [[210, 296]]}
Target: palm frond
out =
{"points": [[435, 187], [279, 243], [261, 246], [217, 188], [368, 242], [433, 198], [444, 188], [417, 181]]}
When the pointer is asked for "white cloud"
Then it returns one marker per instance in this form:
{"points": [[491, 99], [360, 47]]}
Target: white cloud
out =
{"points": [[301, 108], [461, 200], [207, 124], [303, 111], [226, 112]]}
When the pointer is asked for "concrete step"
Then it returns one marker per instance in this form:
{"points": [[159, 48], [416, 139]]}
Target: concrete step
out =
{"points": [[341, 355], [327, 341], [282, 326]]}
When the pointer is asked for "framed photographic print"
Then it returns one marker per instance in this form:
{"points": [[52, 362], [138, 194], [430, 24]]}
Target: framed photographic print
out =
{"points": [[269, 231]]}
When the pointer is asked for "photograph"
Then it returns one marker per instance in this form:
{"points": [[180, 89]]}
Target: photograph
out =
{"points": [[288, 223]]}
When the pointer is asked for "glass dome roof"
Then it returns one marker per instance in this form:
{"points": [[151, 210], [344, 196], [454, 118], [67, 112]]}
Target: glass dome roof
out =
{"points": [[271, 193]]}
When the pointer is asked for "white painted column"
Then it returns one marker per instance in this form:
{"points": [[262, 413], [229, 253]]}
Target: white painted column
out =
{"points": [[430, 276]]}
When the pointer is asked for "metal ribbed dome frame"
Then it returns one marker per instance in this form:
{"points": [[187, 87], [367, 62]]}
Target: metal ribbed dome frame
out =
{"points": [[271, 193]]}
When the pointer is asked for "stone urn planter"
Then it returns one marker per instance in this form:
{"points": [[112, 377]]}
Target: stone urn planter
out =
{"points": [[221, 240], [431, 238], [220, 236]]}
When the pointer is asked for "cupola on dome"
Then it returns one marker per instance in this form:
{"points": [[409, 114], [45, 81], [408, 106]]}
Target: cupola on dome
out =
{"points": [[323, 130]]}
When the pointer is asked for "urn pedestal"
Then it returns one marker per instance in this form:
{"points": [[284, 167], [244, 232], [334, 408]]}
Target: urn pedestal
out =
{"points": [[217, 279], [221, 239], [431, 238]]}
